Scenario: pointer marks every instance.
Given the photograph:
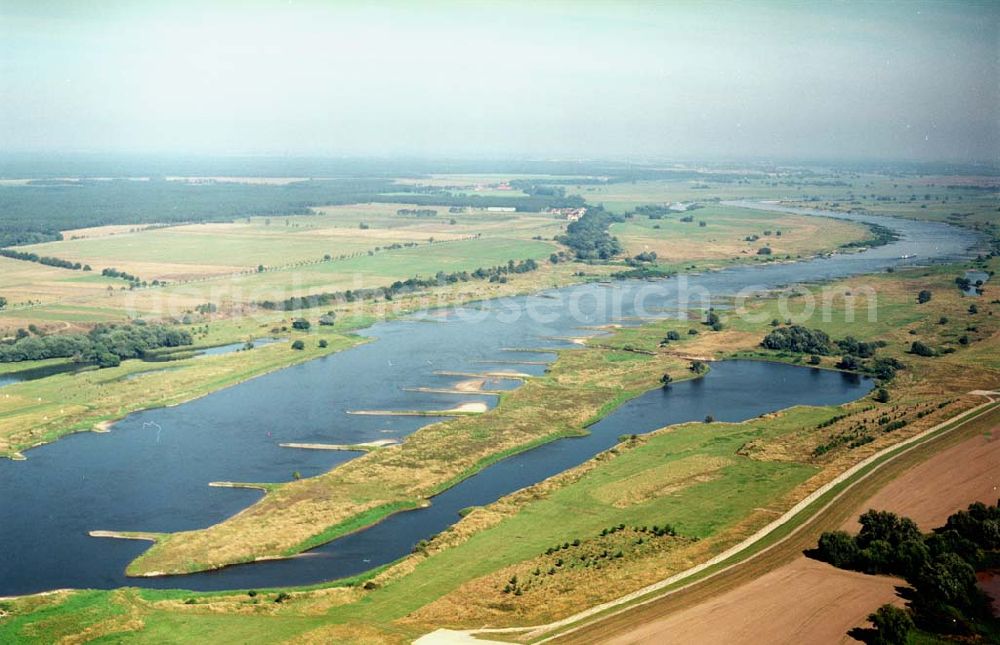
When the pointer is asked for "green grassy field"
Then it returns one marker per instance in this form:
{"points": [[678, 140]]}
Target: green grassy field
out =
{"points": [[218, 263], [725, 232]]}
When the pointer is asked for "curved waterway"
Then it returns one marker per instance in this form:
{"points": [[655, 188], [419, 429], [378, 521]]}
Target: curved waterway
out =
{"points": [[151, 473]]}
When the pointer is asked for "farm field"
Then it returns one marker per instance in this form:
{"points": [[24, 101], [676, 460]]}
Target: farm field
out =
{"points": [[23, 283], [186, 252], [218, 262]]}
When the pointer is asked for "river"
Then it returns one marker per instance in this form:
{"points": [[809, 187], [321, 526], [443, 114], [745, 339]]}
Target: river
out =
{"points": [[151, 473]]}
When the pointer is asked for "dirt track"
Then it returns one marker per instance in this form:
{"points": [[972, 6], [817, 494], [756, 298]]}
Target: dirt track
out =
{"points": [[782, 597]]}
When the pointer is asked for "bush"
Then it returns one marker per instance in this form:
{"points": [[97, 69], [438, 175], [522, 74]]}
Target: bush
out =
{"points": [[301, 324], [837, 548], [323, 343], [924, 296], [850, 363], [920, 349], [892, 625], [882, 395], [815, 360], [299, 345]]}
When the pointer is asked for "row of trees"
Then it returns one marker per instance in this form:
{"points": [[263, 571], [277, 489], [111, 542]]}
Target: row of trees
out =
{"points": [[43, 259], [115, 273], [940, 567], [493, 274], [105, 345]]}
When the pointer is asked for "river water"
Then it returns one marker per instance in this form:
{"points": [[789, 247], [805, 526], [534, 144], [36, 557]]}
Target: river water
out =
{"points": [[151, 473]]}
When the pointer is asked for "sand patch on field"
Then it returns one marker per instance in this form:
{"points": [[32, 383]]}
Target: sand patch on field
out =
{"points": [[470, 385], [471, 407]]}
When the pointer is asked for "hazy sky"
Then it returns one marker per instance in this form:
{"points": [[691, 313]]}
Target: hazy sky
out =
{"points": [[552, 79]]}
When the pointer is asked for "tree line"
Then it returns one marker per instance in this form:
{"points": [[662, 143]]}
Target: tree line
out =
{"points": [[493, 274], [106, 344], [43, 259]]}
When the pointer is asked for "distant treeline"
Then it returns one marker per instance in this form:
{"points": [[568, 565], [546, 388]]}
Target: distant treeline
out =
{"points": [[589, 237], [493, 274], [38, 213], [105, 345]]}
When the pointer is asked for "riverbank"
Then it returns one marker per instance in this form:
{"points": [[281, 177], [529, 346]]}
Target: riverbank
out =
{"points": [[757, 590]]}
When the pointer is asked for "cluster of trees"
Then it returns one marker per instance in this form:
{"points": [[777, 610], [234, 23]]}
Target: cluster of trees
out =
{"points": [[105, 345], [42, 259], [641, 258], [654, 211], [940, 567], [538, 190], [589, 237], [3, 303], [799, 339], [802, 340], [713, 320], [854, 347], [920, 348], [493, 274], [417, 212]]}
